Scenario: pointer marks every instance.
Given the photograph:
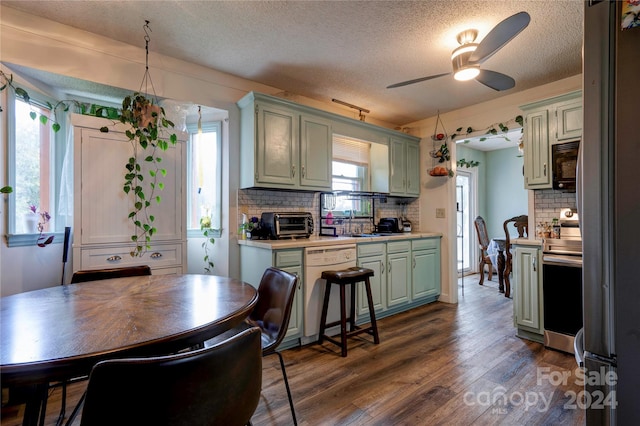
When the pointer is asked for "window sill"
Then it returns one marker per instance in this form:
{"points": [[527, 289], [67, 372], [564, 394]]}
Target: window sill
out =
{"points": [[24, 240], [197, 233]]}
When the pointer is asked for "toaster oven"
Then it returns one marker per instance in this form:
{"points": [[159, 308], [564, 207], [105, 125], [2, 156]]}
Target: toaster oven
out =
{"points": [[287, 225]]}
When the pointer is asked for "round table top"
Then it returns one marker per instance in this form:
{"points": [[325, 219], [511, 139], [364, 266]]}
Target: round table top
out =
{"points": [[64, 330]]}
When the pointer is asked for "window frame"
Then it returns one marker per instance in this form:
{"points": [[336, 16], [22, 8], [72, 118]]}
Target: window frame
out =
{"points": [[56, 157], [192, 129]]}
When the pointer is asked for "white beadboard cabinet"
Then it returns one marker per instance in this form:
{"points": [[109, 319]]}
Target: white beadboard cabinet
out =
{"points": [[102, 230]]}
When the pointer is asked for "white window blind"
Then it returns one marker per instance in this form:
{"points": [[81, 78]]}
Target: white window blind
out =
{"points": [[350, 150]]}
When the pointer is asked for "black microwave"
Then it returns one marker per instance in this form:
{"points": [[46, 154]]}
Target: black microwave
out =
{"points": [[564, 157]]}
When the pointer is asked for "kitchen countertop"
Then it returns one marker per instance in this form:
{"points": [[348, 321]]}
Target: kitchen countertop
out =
{"points": [[527, 242], [316, 241]]}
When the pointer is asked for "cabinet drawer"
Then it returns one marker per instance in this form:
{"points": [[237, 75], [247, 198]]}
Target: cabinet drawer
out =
{"points": [[365, 250], [398, 246], [159, 256], [425, 244], [288, 258]]}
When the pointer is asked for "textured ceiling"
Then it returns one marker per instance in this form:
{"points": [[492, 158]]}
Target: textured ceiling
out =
{"points": [[349, 50]]}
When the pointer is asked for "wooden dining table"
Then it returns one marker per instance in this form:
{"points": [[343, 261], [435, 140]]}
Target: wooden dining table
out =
{"points": [[61, 332]]}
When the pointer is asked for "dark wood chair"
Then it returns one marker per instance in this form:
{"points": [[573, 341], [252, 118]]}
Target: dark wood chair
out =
{"points": [[217, 385], [483, 244], [104, 274], [271, 315], [521, 223], [95, 275]]}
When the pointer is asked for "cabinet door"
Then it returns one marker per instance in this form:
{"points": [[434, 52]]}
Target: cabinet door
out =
{"points": [[537, 171], [378, 285], [277, 146], [527, 295], [295, 321], [291, 261], [315, 152], [398, 278], [397, 180], [104, 207], [425, 277], [413, 169], [569, 116]]}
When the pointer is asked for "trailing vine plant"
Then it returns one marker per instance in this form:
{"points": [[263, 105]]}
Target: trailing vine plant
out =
{"points": [[207, 232], [7, 81], [491, 130], [146, 120]]}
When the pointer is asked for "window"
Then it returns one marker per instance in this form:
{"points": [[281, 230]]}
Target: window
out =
{"points": [[350, 164], [33, 152], [350, 171], [204, 167]]}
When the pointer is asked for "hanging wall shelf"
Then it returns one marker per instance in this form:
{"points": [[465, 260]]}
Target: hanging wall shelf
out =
{"points": [[440, 156]]}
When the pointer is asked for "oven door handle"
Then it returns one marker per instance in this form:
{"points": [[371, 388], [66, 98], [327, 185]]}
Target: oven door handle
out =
{"points": [[574, 261]]}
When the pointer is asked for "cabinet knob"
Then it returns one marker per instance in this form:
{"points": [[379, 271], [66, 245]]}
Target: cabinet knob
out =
{"points": [[303, 173], [156, 255], [113, 258], [293, 171], [545, 169]]}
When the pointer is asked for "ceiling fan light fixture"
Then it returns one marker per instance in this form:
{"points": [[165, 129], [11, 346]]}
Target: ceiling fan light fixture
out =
{"points": [[467, 73], [462, 70]]}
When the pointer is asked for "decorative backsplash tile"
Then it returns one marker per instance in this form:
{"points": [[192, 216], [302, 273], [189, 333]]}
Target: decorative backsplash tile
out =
{"points": [[253, 202], [548, 202]]}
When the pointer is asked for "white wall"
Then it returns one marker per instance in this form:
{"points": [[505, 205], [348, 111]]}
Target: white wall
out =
{"points": [[49, 46], [46, 45], [438, 192]]}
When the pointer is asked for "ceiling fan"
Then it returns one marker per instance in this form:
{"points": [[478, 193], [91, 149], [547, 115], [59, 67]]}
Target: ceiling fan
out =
{"points": [[466, 58]]}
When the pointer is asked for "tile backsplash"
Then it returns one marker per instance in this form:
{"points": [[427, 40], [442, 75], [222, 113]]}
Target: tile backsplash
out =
{"points": [[253, 202], [548, 202]]}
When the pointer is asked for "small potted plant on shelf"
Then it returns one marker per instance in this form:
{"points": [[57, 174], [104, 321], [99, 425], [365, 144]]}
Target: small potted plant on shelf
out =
{"points": [[42, 218], [207, 232]]}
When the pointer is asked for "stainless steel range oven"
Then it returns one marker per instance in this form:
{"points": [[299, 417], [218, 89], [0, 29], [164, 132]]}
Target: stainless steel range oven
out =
{"points": [[562, 285]]}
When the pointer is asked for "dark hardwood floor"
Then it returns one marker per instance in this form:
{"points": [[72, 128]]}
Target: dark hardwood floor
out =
{"points": [[438, 364]]}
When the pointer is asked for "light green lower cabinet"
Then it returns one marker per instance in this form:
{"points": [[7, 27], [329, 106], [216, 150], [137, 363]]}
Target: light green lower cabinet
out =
{"points": [[398, 272], [527, 293], [374, 257], [425, 277], [254, 261], [406, 275]]}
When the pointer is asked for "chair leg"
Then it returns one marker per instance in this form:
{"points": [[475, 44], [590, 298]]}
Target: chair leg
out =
{"points": [[372, 311], [481, 269], [76, 410], [63, 404], [286, 384]]}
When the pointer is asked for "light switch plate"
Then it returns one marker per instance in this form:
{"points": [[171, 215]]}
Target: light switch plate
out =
{"points": [[440, 213]]}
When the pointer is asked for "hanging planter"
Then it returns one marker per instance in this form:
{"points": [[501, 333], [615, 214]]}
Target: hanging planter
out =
{"points": [[142, 179], [440, 152]]}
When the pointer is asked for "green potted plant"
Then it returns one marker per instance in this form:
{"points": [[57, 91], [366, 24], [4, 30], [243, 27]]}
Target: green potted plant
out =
{"points": [[207, 232], [148, 122]]}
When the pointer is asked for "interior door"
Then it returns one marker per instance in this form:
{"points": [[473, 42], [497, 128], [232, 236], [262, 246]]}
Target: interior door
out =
{"points": [[465, 211]]}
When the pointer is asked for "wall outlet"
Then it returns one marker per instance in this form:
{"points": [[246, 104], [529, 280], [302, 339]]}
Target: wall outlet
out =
{"points": [[440, 213]]}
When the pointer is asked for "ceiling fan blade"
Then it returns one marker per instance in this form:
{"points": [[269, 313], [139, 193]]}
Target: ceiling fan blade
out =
{"points": [[417, 80], [495, 80], [500, 35]]}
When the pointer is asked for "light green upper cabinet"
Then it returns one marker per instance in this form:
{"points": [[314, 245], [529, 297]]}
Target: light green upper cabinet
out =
{"points": [[546, 123], [285, 145], [537, 155], [569, 120], [315, 152], [283, 148], [277, 146], [404, 179]]}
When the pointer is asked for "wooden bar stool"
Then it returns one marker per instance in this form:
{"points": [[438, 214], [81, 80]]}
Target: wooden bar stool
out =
{"points": [[344, 278]]}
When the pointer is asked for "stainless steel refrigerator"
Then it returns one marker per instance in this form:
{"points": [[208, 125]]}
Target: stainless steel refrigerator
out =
{"points": [[609, 204]]}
